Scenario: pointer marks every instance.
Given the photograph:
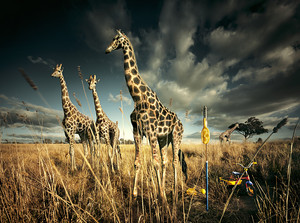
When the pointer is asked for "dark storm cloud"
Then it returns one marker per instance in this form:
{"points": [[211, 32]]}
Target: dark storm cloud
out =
{"points": [[255, 32], [22, 116], [273, 95], [248, 66], [101, 20], [239, 58]]}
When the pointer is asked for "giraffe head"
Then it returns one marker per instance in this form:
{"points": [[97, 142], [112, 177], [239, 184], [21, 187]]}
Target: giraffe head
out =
{"points": [[57, 71], [117, 42], [92, 81]]}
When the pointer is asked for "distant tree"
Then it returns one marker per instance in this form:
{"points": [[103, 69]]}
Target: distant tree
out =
{"points": [[253, 126], [259, 140], [47, 141], [57, 141], [128, 141]]}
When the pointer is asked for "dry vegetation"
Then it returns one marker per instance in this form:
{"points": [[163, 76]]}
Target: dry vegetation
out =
{"points": [[37, 185]]}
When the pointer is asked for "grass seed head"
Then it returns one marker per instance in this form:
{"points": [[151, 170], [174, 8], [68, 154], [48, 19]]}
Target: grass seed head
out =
{"points": [[79, 73], [279, 125], [27, 78], [77, 100]]}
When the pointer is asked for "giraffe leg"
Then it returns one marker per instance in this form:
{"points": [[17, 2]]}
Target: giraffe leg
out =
{"points": [[175, 167], [164, 162], [152, 136], [85, 150], [176, 141], [69, 133], [156, 163], [91, 145], [112, 144], [163, 146], [83, 138], [115, 147], [98, 145], [137, 162], [72, 154], [110, 150]]}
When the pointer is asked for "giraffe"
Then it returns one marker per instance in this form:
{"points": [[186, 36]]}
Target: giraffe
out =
{"points": [[106, 128], [150, 118], [74, 122], [225, 136]]}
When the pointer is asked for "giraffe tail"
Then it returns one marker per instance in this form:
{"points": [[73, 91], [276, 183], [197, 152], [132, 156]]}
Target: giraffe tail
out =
{"points": [[183, 163], [119, 151]]}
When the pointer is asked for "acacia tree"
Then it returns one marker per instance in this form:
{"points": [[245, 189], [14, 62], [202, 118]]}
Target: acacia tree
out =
{"points": [[253, 126]]}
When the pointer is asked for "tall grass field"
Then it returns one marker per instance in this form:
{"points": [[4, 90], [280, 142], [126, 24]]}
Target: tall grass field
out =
{"points": [[37, 185]]}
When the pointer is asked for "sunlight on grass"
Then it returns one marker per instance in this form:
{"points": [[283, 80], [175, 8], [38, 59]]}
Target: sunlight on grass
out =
{"points": [[37, 185]]}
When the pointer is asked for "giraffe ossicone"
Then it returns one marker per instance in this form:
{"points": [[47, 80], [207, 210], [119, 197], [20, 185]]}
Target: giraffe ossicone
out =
{"points": [[149, 118]]}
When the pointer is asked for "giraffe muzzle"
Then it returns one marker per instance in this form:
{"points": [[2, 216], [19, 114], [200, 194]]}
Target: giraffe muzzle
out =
{"points": [[108, 50]]}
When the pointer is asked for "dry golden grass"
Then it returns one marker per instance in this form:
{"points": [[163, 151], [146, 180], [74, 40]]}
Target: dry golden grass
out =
{"points": [[37, 185]]}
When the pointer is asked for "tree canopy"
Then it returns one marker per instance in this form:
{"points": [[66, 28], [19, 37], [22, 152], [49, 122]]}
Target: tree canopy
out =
{"points": [[253, 126]]}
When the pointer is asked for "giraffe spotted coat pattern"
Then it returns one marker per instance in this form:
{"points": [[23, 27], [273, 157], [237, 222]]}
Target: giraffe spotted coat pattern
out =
{"points": [[107, 129], [225, 136], [74, 122], [150, 118]]}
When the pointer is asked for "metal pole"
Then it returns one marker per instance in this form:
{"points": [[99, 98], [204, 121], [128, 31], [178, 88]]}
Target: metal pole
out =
{"points": [[205, 139], [206, 164]]}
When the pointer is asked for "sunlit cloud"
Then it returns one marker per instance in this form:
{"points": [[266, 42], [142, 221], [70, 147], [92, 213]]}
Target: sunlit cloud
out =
{"points": [[117, 98]]}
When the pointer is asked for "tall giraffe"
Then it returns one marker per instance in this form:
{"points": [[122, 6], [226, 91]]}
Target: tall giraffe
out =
{"points": [[106, 128], [150, 118], [225, 136], [74, 122]]}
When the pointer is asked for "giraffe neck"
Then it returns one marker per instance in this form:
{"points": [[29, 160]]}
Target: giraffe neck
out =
{"points": [[231, 130], [99, 111], [135, 83], [66, 102]]}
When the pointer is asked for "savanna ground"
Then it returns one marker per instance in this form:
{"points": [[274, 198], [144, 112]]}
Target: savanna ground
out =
{"points": [[36, 185]]}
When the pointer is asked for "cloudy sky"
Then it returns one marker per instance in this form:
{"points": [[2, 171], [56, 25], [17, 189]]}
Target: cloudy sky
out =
{"points": [[239, 58]]}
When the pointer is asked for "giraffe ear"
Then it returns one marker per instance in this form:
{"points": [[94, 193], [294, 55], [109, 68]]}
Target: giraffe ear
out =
{"points": [[86, 80], [98, 80]]}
